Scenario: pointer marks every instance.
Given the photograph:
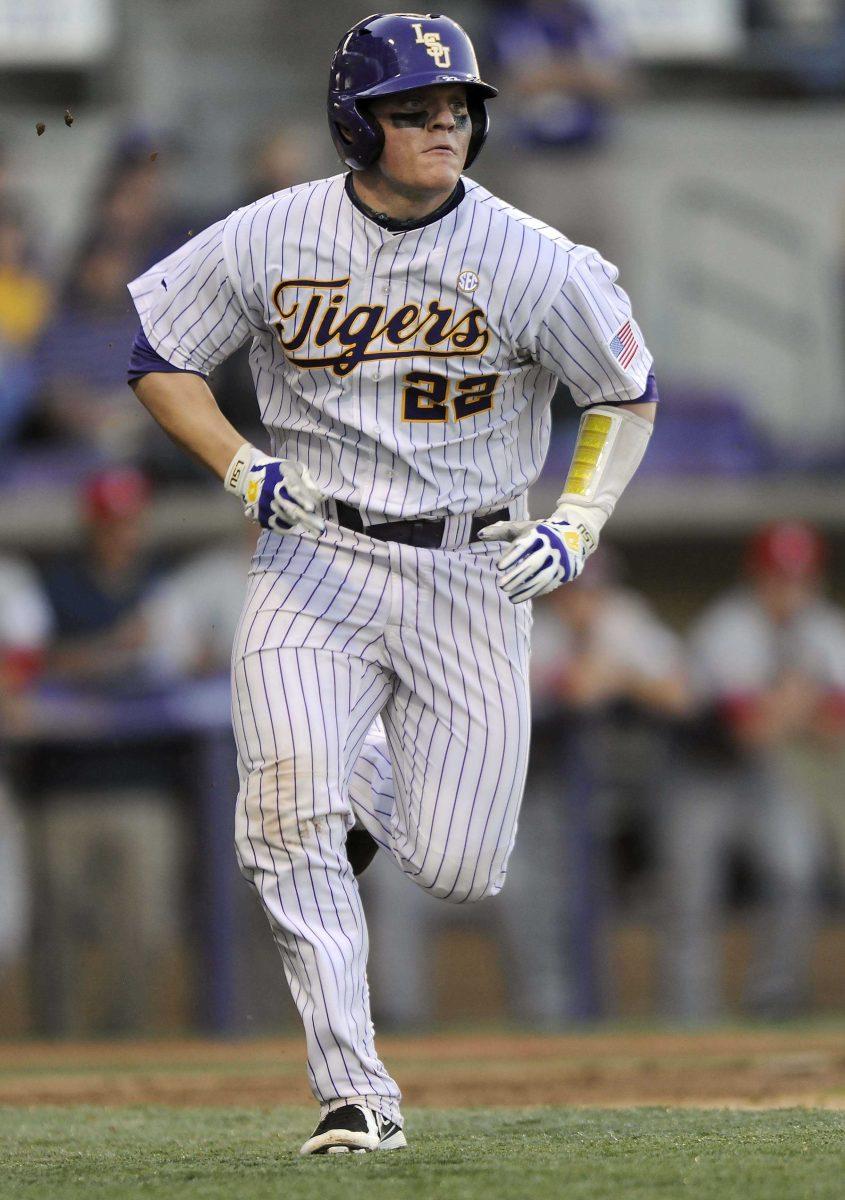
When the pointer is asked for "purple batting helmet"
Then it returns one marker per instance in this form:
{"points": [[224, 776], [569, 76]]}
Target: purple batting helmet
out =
{"points": [[397, 52]]}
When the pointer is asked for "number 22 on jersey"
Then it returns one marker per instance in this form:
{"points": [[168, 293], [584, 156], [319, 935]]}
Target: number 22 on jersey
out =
{"points": [[425, 396]]}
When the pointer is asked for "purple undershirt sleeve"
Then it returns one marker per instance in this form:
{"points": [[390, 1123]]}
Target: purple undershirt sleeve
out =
{"points": [[650, 393], [144, 359]]}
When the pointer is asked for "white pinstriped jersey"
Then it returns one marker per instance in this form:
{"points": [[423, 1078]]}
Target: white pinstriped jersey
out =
{"points": [[411, 372]]}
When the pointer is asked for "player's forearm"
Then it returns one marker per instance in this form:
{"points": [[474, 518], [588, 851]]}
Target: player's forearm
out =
{"points": [[611, 443], [185, 408], [647, 410]]}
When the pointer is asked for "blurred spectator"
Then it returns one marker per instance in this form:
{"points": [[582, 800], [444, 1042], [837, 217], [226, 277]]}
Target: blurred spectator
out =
{"points": [[561, 72], [606, 678], [803, 18], [768, 663], [107, 891], [95, 595], [274, 161], [82, 356], [561, 68], [135, 207], [608, 682], [25, 625], [190, 618], [25, 300], [803, 39]]}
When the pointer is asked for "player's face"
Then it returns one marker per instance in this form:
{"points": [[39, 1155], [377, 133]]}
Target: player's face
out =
{"points": [[426, 138]]}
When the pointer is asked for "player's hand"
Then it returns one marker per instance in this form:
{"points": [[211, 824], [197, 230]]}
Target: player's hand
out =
{"points": [[278, 493], [542, 556]]}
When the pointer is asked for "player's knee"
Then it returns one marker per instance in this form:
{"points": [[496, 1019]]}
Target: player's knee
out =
{"points": [[278, 815], [466, 885], [468, 893], [449, 875]]}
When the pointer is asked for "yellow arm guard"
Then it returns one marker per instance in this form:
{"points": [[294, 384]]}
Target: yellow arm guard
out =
{"points": [[611, 444]]}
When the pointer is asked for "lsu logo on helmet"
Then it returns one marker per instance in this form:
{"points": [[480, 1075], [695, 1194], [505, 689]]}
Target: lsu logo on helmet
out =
{"points": [[441, 54]]}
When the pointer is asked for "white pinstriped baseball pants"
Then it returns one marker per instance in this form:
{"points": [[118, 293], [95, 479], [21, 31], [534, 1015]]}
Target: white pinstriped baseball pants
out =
{"points": [[335, 633]]}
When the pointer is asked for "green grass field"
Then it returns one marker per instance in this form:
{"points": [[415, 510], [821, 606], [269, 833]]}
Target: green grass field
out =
{"points": [[85, 1153], [728, 1114]]}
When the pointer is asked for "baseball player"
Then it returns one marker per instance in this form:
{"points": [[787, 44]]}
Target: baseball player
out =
{"points": [[408, 330]]}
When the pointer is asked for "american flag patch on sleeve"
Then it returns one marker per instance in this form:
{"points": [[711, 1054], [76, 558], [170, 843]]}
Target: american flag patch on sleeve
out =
{"points": [[625, 345]]}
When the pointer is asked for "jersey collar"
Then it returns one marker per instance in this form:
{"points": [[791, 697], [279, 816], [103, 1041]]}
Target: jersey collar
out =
{"points": [[392, 226]]}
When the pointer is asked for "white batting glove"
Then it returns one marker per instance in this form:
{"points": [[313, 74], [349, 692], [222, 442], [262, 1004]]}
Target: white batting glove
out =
{"points": [[543, 555], [278, 493]]}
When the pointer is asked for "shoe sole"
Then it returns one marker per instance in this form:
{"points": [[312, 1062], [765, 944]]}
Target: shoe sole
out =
{"points": [[340, 1141], [325, 1145]]}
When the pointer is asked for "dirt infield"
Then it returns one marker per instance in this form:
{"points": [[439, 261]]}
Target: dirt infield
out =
{"points": [[754, 1068]]}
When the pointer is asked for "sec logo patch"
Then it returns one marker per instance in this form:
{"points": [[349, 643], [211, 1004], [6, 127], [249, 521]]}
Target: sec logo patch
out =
{"points": [[468, 281]]}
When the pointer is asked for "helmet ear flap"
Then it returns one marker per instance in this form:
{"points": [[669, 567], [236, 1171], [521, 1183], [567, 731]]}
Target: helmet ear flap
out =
{"points": [[369, 121], [480, 120], [358, 139]]}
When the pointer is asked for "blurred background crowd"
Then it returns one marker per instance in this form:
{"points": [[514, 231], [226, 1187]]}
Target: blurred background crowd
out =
{"points": [[682, 848]]}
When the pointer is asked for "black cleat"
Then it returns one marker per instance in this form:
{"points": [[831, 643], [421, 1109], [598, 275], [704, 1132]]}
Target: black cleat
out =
{"points": [[354, 1129], [361, 849]]}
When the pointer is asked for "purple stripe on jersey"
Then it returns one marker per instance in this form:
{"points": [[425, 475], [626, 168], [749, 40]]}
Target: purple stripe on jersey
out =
{"points": [[519, 757], [269, 848], [581, 343], [370, 706], [438, 232], [458, 788], [562, 373], [213, 242], [294, 881], [190, 328], [450, 723], [610, 279], [589, 293], [227, 337], [377, 636], [529, 275], [192, 295], [558, 371], [340, 985], [402, 734], [552, 261], [483, 764]]}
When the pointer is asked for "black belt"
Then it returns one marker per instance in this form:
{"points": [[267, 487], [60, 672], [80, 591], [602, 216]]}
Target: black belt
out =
{"points": [[427, 534]]}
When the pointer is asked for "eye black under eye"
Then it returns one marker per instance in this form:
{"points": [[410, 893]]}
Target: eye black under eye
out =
{"points": [[419, 119], [414, 120]]}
